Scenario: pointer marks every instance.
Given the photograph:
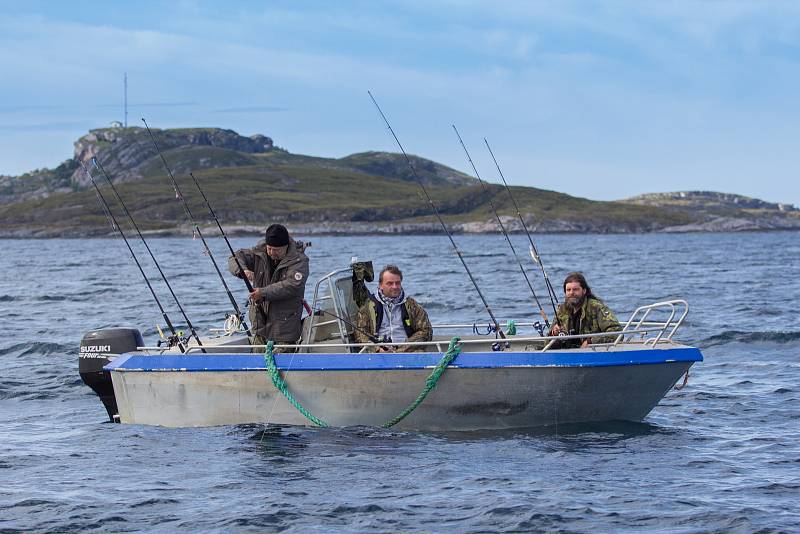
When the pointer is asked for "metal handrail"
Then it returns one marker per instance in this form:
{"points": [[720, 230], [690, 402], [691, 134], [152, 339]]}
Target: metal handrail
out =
{"points": [[641, 327], [667, 305], [515, 340], [453, 326], [330, 296]]}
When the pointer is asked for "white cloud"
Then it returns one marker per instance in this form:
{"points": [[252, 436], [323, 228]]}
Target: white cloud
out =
{"points": [[614, 88]]}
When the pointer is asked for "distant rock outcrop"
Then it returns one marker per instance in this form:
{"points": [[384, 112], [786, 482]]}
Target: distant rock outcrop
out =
{"points": [[721, 212], [707, 200], [124, 151]]}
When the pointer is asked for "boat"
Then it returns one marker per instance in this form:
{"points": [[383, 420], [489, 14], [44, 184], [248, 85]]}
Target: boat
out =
{"points": [[457, 382]]}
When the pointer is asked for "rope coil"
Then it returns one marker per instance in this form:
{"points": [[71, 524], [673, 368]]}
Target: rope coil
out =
{"points": [[453, 350]]}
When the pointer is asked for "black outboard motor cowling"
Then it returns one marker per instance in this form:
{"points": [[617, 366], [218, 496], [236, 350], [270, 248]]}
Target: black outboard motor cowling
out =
{"points": [[99, 347]]}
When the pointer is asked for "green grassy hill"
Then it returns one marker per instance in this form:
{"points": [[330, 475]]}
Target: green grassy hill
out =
{"points": [[251, 183]]}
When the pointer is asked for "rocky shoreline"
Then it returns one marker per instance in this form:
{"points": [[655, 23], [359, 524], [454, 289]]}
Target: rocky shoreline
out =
{"points": [[717, 225]]}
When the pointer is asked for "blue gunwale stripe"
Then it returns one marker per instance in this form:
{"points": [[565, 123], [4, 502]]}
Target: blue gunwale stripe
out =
{"points": [[398, 361]]}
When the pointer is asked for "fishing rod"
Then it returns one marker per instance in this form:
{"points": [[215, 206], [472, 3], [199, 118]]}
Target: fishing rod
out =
{"points": [[114, 225], [534, 252], [188, 211], [225, 237], [439, 217], [152, 256], [505, 234]]}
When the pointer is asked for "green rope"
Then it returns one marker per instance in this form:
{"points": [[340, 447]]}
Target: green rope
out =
{"points": [[452, 351], [511, 327], [272, 369]]}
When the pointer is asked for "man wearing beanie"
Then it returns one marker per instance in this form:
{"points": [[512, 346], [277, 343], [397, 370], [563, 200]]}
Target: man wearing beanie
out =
{"points": [[277, 268]]}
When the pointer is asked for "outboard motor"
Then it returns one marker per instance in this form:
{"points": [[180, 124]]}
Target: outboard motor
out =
{"points": [[98, 348]]}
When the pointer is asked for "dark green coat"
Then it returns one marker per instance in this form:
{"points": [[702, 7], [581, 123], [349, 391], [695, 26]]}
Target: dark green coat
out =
{"points": [[593, 317], [277, 316]]}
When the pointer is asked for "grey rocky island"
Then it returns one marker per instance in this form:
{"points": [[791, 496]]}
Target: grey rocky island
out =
{"points": [[251, 181]]}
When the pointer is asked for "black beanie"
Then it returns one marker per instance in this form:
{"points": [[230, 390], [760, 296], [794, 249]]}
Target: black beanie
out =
{"points": [[277, 235]]}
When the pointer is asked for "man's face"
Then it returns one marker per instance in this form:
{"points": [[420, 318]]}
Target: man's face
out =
{"points": [[574, 294], [276, 253], [391, 285]]}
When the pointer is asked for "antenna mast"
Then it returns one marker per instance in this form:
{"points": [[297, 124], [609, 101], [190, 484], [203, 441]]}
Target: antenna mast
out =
{"points": [[125, 91]]}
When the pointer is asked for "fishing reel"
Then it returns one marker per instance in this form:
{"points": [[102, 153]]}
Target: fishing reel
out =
{"points": [[385, 343], [233, 324], [174, 340], [539, 328]]}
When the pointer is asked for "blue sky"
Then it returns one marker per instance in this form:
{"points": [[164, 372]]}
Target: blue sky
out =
{"points": [[603, 100]]}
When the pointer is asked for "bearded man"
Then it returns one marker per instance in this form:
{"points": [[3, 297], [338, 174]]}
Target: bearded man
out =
{"points": [[583, 313]]}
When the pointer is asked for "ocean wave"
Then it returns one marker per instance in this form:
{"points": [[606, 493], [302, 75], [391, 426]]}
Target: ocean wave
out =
{"points": [[737, 336], [39, 348], [9, 298], [41, 383]]}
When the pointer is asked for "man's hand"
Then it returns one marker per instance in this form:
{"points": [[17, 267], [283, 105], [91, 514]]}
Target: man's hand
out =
{"points": [[384, 348], [249, 274], [256, 294], [555, 330]]}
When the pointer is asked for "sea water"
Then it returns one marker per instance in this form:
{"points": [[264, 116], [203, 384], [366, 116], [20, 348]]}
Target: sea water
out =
{"points": [[723, 454]]}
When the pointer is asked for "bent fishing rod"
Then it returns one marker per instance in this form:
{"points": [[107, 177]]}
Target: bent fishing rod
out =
{"points": [[439, 217], [116, 226], [152, 256], [503, 230], [188, 211], [225, 237], [534, 252]]}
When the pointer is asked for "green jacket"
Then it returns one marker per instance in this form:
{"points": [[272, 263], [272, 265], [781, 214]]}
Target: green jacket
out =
{"points": [[277, 315], [592, 317], [416, 323]]}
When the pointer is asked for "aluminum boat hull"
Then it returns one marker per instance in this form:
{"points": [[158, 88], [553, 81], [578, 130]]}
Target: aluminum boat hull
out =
{"points": [[479, 390]]}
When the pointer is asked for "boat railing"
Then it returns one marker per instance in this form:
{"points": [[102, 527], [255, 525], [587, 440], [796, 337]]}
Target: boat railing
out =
{"points": [[489, 327], [528, 343], [640, 328], [330, 297], [668, 326]]}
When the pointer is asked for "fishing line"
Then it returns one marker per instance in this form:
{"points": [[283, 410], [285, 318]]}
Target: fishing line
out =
{"points": [[224, 236], [152, 256], [113, 220], [439, 217], [188, 211], [534, 252], [503, 230]]}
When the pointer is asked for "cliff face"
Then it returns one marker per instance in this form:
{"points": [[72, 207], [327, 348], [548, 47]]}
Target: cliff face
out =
{"points": [[128, 154], [125, 152]]}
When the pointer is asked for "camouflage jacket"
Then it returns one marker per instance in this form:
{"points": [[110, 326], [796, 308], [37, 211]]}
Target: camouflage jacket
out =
{"points": [[277, 315], [593, 317], [415, 322]]}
